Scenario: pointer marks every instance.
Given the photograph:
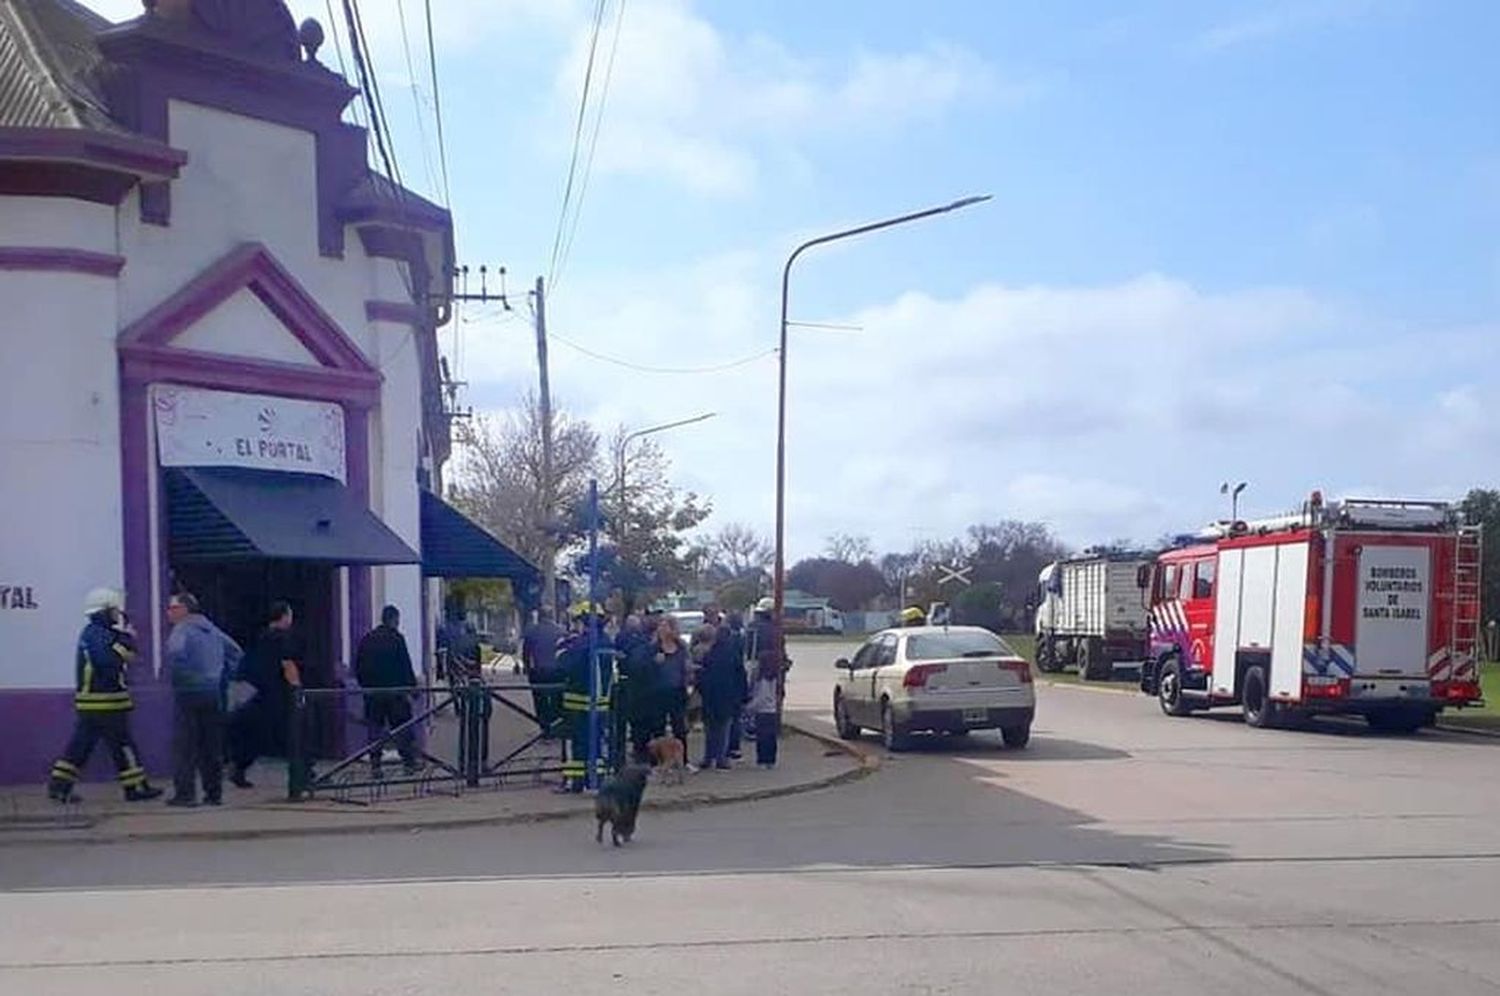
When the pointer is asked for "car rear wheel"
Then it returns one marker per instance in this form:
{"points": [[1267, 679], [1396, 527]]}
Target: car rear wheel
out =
{"points": [[892, 736], [1255, 698], [847, 729], [1016, 736]]}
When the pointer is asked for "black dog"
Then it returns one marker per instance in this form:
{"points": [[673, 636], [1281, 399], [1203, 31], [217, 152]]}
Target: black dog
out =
{"points": [[618, 802]]}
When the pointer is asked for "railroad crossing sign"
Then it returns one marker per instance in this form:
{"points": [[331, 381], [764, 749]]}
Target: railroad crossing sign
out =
{"points": [[955, 573]]}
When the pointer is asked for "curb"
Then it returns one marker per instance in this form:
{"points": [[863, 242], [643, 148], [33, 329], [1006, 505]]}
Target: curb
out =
{"points": [[1114, 689], [1469, 731], [55, 836]]}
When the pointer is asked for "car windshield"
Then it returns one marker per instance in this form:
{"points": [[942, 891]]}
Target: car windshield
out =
{"points": [[959, 643]]}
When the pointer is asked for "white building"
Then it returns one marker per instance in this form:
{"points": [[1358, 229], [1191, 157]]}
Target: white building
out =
{"points": [[220, 366]]}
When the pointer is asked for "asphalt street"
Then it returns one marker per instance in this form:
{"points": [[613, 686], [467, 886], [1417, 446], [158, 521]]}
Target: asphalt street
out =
{"points": [[1121, 852]]}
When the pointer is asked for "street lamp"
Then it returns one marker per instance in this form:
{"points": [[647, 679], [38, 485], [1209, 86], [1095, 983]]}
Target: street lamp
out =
{"points": [[632, 436], [778, 579]]}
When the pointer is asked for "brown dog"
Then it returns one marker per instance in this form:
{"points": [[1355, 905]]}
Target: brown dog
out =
{"points": [[668, 757]]}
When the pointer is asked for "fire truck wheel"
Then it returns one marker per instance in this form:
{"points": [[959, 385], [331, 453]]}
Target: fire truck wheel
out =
{"points": [[1169, 689], [1046, 656], [1260, 711], [1092, 665]]}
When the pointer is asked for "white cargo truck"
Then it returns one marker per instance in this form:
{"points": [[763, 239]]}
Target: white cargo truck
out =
{"points": [[1091, 614]]}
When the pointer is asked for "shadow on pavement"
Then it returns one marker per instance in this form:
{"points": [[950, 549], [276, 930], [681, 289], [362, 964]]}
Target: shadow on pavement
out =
{"points": [[987, 746]]}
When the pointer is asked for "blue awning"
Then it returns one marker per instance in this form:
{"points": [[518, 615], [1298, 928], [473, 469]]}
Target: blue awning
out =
{"points": [[454, 546], [230, 513]]}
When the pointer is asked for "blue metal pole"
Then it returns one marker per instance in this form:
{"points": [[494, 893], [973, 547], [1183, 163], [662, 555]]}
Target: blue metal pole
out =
{"points": [[591, 776]]}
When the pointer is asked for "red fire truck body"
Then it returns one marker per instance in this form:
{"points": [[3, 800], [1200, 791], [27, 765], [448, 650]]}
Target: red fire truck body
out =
{"points": [[1360, 607]]}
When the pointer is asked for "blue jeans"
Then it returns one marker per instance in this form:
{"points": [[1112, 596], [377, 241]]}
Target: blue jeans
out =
{"points": [[715, 740]]}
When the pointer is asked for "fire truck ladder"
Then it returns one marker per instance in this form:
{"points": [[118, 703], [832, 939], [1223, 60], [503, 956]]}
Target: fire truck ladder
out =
{"points": [[1465, 647]]}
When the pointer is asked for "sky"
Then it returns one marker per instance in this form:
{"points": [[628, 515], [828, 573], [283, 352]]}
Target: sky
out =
{"points": [[1249, 240]]}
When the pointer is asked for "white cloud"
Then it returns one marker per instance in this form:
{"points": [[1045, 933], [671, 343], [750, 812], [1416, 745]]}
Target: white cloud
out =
{"points": [[698, 106], [1108, 411], [1276, 21]]}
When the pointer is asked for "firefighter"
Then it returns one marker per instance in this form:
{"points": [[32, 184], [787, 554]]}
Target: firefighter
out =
{"points": [[573, 656], [101, 702], [913, 616]]}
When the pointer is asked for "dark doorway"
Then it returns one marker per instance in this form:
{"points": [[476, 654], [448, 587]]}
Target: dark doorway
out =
{"points": [[237, 596]]}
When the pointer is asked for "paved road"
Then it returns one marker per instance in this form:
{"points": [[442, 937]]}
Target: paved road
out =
{"points": [[1121, 852]]}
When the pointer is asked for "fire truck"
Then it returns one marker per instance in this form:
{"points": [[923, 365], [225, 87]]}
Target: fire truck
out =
{"points": [[1361, 607]]}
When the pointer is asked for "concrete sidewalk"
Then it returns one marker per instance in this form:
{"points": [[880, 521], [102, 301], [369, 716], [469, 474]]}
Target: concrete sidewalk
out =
{"points": [[809, 760]]}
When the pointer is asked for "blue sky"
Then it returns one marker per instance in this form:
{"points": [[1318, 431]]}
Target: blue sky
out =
{"points": [[1251, 240]]}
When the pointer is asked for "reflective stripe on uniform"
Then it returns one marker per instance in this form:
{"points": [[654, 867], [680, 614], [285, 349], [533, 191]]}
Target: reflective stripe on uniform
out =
{"points": [[574, 769], [126, 654], [65, 771], [574, 702], [132, 777], [102, 701]]}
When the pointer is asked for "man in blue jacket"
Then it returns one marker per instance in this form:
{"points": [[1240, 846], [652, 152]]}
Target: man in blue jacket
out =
{"points": [[200, 661]]}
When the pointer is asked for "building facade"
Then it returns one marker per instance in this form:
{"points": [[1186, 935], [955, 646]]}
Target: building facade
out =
{"points": [[218, 325]]}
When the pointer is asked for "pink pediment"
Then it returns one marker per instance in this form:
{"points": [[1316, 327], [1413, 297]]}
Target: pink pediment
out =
{"points": [[250, 267]]}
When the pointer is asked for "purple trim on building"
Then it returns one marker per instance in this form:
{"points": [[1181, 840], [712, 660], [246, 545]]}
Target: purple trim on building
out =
{"points": [[147, 357], [251, 267], [29, 178], [136, 156], [47, 259], [37, 722], [357, 446], [162, 60]]}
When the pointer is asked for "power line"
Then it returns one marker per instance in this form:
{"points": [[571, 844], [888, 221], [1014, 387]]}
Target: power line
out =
{"points": [[437, 106], [361, 47], [646, 368], [583, 104], [338, 48], [588, 166], [416, 103]]}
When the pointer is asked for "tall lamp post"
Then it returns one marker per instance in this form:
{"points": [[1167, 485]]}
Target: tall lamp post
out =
{"points": [[631, 437], [778, 580]]}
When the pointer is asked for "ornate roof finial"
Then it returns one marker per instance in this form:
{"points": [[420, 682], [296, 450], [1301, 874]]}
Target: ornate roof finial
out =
{"points": [[310, 36]]}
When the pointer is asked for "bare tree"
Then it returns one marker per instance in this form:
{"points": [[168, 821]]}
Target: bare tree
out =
{"points": [[739, 550], [499, 481], [850, 549]]}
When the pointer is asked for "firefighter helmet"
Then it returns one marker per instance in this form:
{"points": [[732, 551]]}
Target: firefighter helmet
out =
{"points": [[913, 616], [102, 600]]}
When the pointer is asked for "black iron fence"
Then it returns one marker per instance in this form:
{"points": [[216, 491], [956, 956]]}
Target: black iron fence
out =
{"points": [[448, 739]]}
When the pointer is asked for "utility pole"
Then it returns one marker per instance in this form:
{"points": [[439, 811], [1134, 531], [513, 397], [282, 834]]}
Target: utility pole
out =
{"points": [[549, 486]]}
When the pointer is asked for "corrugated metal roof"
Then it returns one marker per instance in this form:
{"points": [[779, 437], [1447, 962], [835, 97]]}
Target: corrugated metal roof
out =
{"points": [[48, 61]]}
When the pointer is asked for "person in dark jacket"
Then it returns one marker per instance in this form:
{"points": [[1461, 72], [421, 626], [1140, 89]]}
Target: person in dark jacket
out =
{"points": [[671, 661], [259, 727], [539, 659], [102, 702], [200, 660], [734, 623], [383, 661], [723, 687], [637, 698]]}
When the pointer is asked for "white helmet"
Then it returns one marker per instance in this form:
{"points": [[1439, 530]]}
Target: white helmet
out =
{"points": [[765, 605], [101, 599]]}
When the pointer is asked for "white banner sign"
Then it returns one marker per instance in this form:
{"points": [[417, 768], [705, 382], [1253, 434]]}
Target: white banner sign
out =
{"points": [[196, 428]]}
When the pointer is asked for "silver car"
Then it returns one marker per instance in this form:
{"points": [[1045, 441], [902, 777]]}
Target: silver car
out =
{"points": [[936, 679]]}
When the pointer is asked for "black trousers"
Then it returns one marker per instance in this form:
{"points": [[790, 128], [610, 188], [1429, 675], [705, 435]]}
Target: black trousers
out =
{"points": [[673, 712], [88, 729], [548, 701], [257, 729], [198, 745], [386, 711]]}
